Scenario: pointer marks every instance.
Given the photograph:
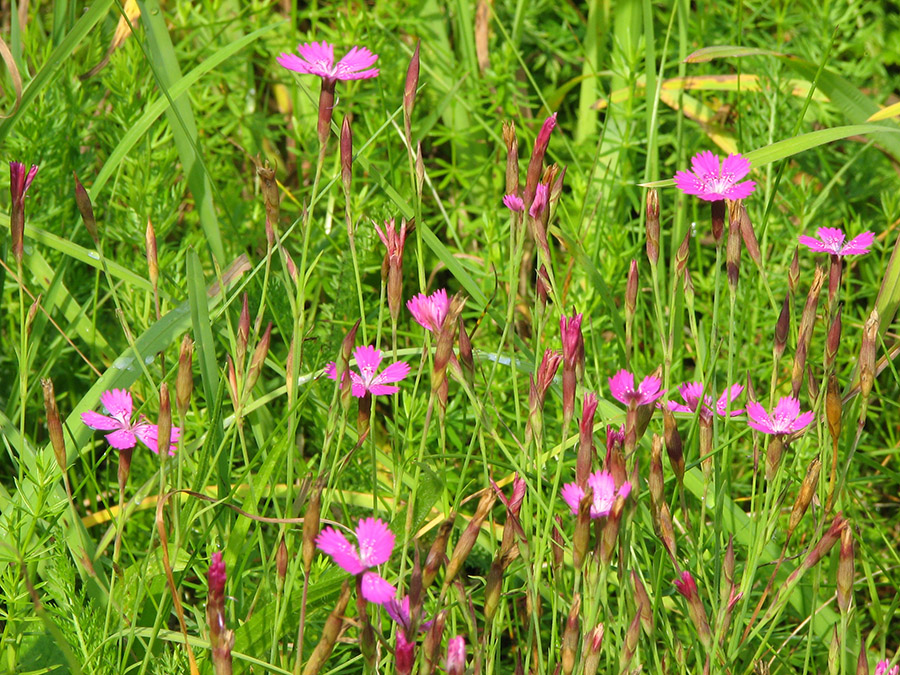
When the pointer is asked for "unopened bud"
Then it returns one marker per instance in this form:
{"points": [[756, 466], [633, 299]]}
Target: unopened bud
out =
{"points": [[330, 633], [582, 535], [346, 153], [83, 202], [867, 354], [281, 561], [727, 570], [834, 652], [152, 257], [773, 456], [642, 600], [586, 439], [717, 216], [632, 633], [593, 641], [674, 447], [666, 532], [466, 357], [512, 157], [54, 425], [412, 84], [652, 226], [269, 187], [493, 584], [431, 646], [611, 530], [749, 237], [467, 539], [782, 327], [845, 571], [571, 635], [833, 340], [655, 478], [342, 365], [184, 380], [824, 545], [456, 655], [681, 255], [326, 110], [437, 553], [804, 334], [862, 661], [420, 170], [804, 497], [535, 165], [258, 359], [32, 314], [311, 526], [243, 334], [687, 587]]}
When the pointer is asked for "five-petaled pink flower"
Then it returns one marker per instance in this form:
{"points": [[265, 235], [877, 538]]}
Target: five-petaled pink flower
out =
{"points": [[785, 419], [605, 493], [318, 59], [831, 240], [881, 668], [368, 359], [429, 311], [514, 203], [692, 393], [376, 541], [713, 182], [621, 386], [126, 434]]}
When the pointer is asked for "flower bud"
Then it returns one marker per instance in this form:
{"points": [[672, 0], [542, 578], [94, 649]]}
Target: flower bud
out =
{"points": [[466, 357], [571, 635], [632, 633], [456, 655], [410, 88], [681, 255], [666, 532], [804, 497], [281, 561], [749, 237], [535, 165], [674, 447], [83, 202], [862, 661], [687, 587], [804, 334], [773, 456], [782, 328], [867, 354], [512, 157], [581, 537], [717, 216], [733, 245], [243, 335], [437, 553], [845, 571], [152, 256], [794, 271], [54, 426], [420, 171], [258, 360], [493, 584], [19, 182], [593, 640], [822, 547], [467, 539], [330, 633], [184, 380], [326, 109], [586, 439], [611, 530], [311, 525], [394, 241], [269, 188], [220, 638], [404, 653], [834, 652], [164, 423], [642, 600], [342, 366], [346, 153], [727, 584], [573, 355], [833, 340], [631, 290], [653, 226], [431, 646]]}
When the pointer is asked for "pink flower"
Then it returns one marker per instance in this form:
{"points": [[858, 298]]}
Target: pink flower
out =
{"points": [[404, 654], [376, 541], [785, 419], [881, 668], [686, 585], [540, 201], [318, 59], [621, 386], [692, 392], [456, 655], [514, 203], [393, 240], [605, 493], [118, 404], [19, 180], [831, 240], [398, 610], [429, 311], [711, 182], [368, 359], [513, 504]]}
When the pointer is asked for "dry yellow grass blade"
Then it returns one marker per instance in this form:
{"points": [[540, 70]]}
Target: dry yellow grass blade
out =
{"points": [[124, 28], [885, 113]]}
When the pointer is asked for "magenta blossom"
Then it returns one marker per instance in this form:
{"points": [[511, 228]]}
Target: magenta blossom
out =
{"points": [[368, 359], [126, 434], [605, 493], [456, 655], [692, 392], [429, 311], [785, 419], [621, 386], [713, 182], [881, 668], [831, 240], [398, 610], [539, 204], [376, 541], [514, 203], [318, 59]]}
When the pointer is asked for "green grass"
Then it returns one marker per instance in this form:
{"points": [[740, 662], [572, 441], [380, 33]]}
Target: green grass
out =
{"points": [[172, 131]]}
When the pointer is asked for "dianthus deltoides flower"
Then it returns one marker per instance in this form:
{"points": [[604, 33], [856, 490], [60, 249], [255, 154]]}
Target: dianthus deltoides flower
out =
{"points": [[621, 386], [376, 541], [831, 240], [881, 668], [785, 418], [368, 360], [692, 393], [713, 182], [318, 59], [125, 433], [604, 486], [429, 311]]}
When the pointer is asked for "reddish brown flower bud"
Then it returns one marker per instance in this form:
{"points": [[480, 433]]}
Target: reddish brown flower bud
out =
{"points": [[243, 335], [512, 157], [804, 335], [593, 640], [342, 365], [431, 647], [631, 291], [867, 354], [782, 327], [733, 245], [571, 635], [632, 633], [749, 237], [535, 165], [394, 241], [773, 456], [164, 422], [642, 600], [32, 314], [823, 546], [311, 526], [437, 553], [655, 477], [83, 202], [456, 655], [232, 382], [420, 170], [653, 226], [184, 380], [611, 530], [581, 537], [19, 182], [220, 638], [467, 540], [805, 495], [269, 187], [346, 153], [794, 271], [674, 447], [54, 426], [573, 355], [330, 633], [681, 255], [666, 532], [687, 587], [835, 270], [258, 360], [281, 561], [586, 439], [727, 570], [845, 571], [717, 216], [409, 89], [833, 341], [862, 661], [152, 256]]}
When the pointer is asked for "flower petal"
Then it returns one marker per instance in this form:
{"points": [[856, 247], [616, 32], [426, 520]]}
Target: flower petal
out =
{"points": [[121, 439], [621, 386], [148, 434], [393, 373], [375, 589], [859, 244], [97, 421], [334, 543], [572, 495], [735, 167], [118, 403], [812, 243], [758, 418], [731, 393], [376, 541]]}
